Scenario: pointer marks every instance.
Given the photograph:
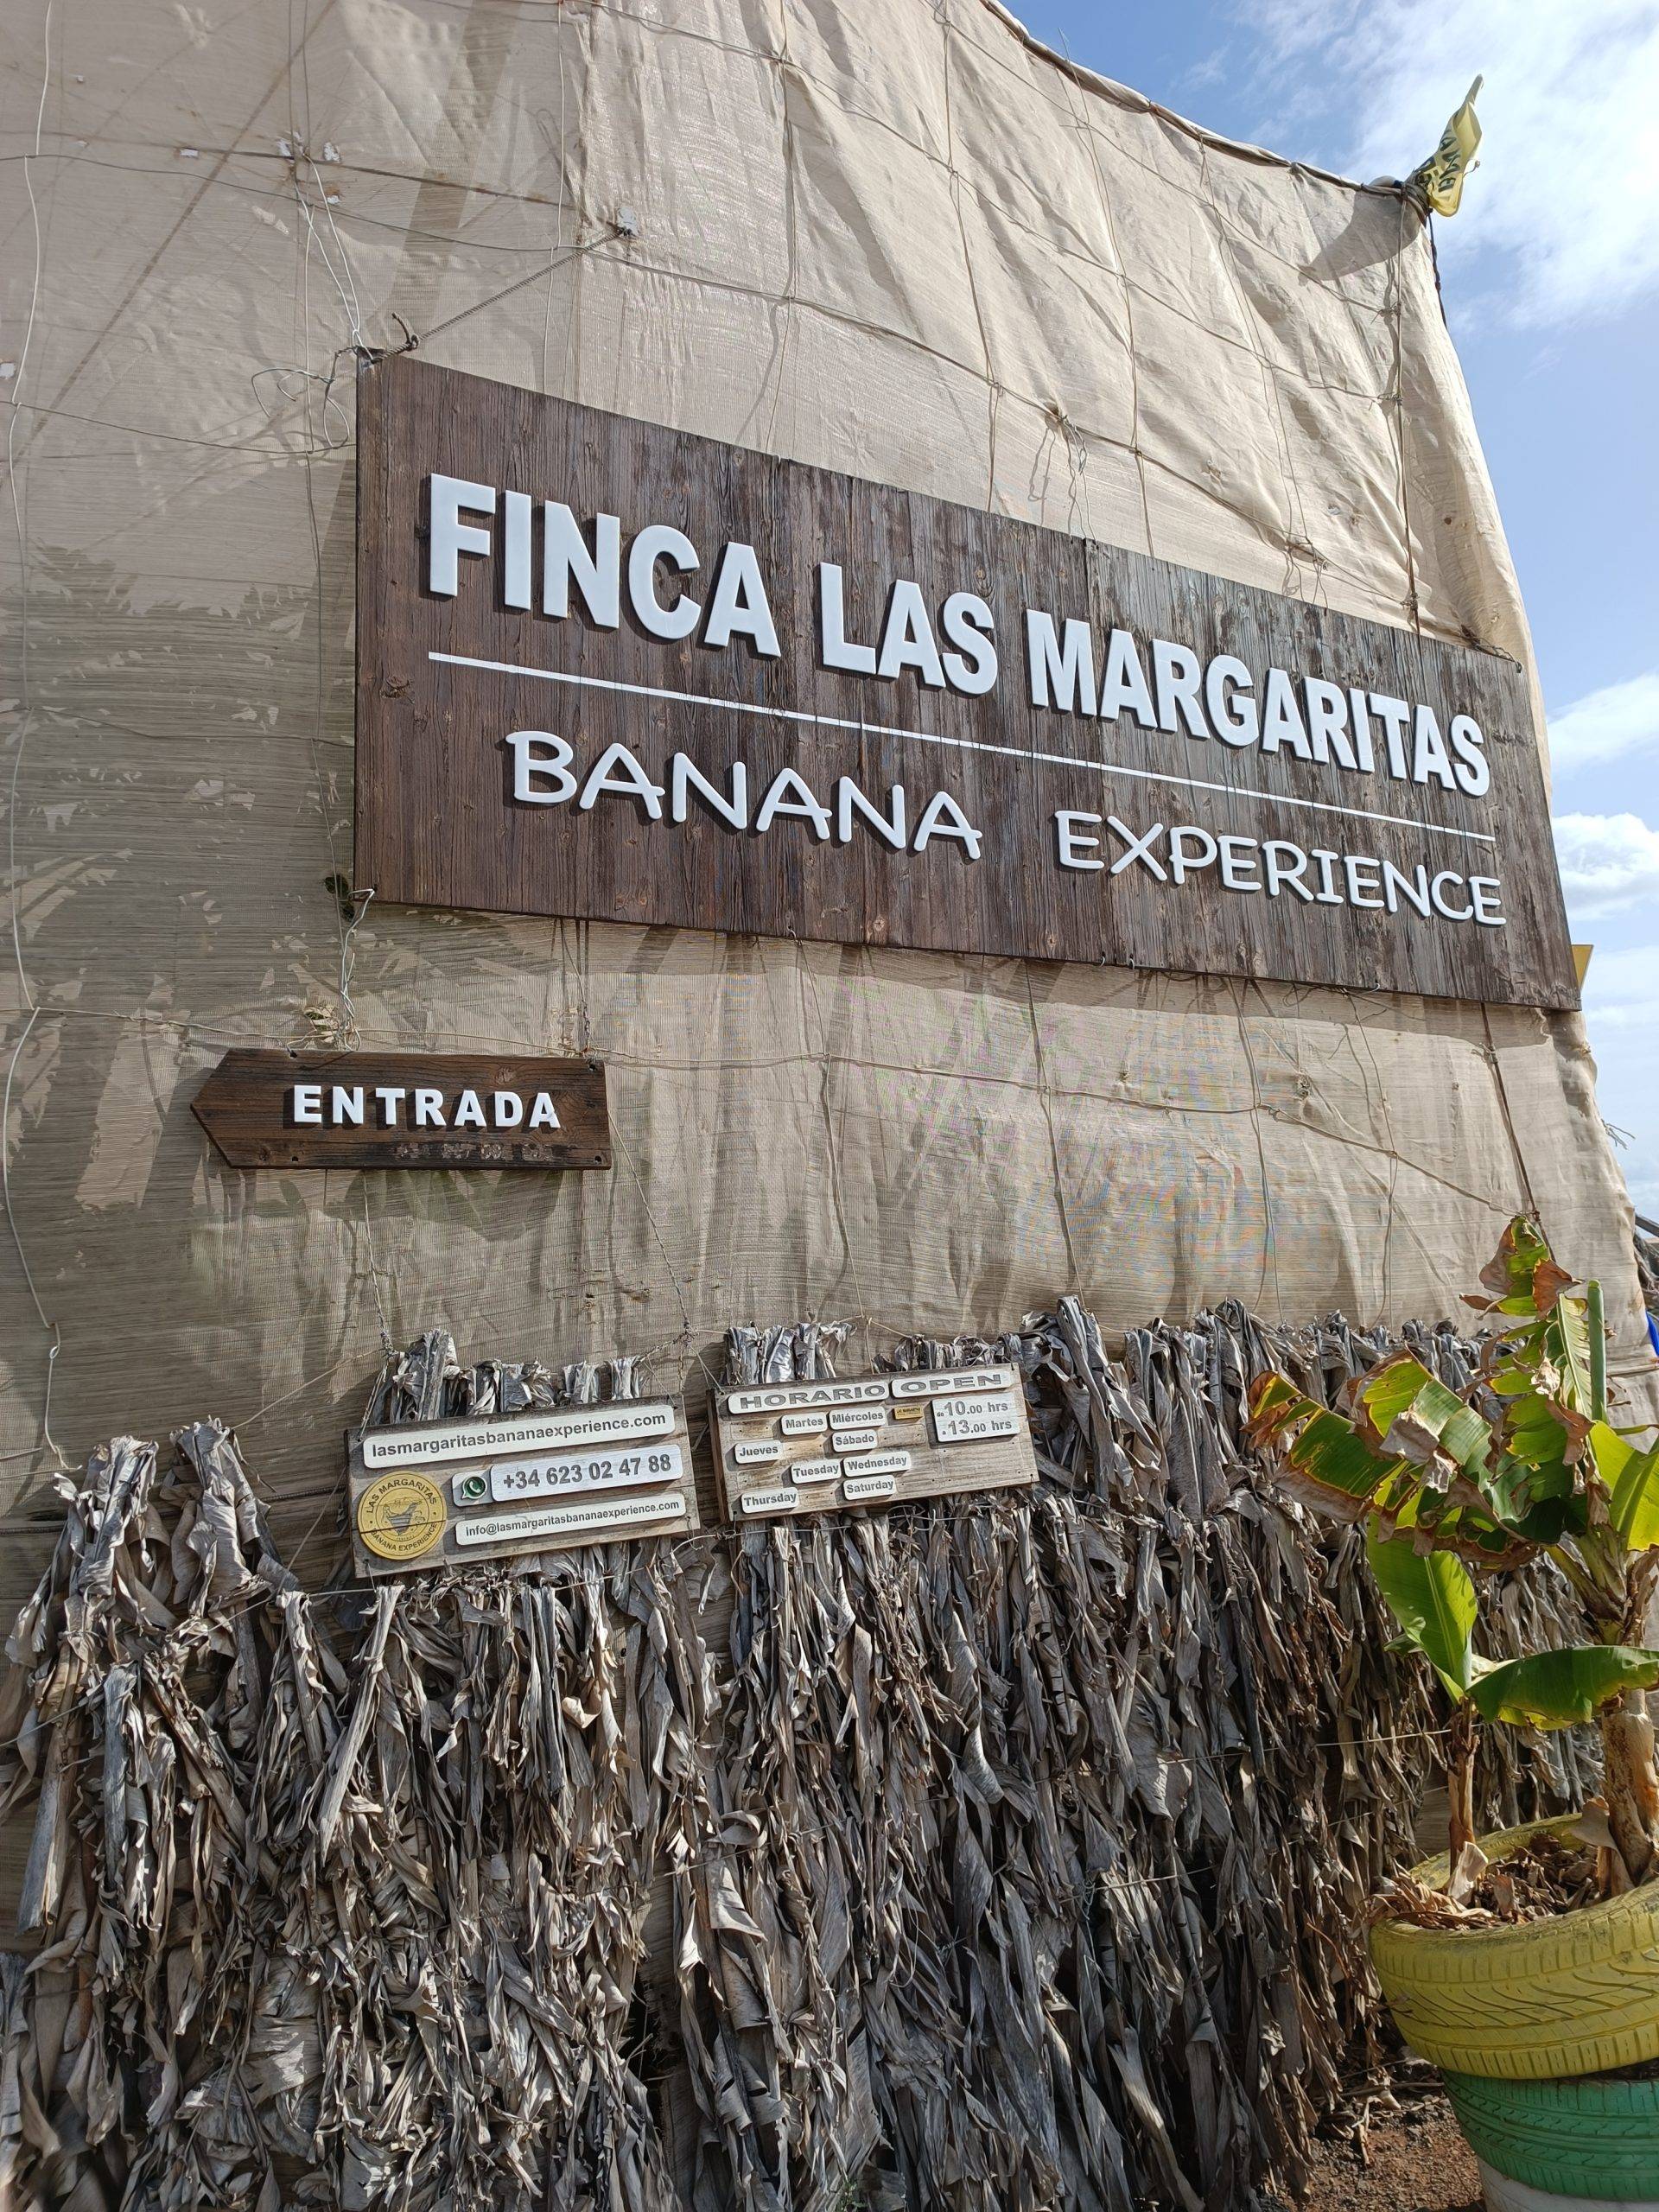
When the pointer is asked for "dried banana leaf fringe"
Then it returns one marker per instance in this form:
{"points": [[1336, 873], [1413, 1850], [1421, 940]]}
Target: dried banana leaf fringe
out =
{"points": [[1044, 1829], [343, 1905], [1014, 1849]]}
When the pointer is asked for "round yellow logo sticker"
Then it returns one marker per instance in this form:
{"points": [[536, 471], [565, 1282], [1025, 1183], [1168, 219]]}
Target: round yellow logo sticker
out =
{"points": [[400, 1516]]}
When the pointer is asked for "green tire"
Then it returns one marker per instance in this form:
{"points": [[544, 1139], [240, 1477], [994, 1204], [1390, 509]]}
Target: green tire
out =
{"points": [[1582, 2139]]}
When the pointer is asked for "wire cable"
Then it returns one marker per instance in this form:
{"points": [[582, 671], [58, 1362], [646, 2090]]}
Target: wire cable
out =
{"points": [[50, 1326]]}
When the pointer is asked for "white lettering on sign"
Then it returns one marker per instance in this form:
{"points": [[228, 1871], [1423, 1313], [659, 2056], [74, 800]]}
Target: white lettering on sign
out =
{"points": [[551, 1477], [786, 1397], [876, 1463], [543, 774], [568, 1520], [1158, 683], [866, 1489], [347, 1106], [1317, 875], [1175, 855], [780, 1498], [758, 1454], [611, 662], [973, 1421], [954, 1379], [853, 1445], [1166, 687], [816, 1471], [480, 1439]]}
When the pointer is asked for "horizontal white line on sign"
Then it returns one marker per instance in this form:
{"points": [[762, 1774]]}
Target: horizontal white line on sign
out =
{"points": [[478, 1440], [959, 744], [568, 1520], [939, 1384], [803, 1424]]}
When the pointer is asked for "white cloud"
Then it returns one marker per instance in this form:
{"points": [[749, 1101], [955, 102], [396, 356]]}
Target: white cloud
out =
{"points": [[1621, 990], [1621, 1011], [1606, 725], [1567, 189], [1608, 862]]}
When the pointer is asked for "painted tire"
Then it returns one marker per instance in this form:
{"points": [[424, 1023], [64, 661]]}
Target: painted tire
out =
{"points": [[1590, 2139], [1546, 1999], [1503, 2195]]}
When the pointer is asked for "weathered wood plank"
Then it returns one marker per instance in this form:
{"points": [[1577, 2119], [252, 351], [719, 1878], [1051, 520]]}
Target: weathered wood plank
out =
{"points": [[438, 822], [271, 1109]]}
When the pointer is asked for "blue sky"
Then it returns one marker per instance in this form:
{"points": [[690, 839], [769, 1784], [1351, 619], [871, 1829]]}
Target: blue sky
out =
{"points": [[1551, 276]]}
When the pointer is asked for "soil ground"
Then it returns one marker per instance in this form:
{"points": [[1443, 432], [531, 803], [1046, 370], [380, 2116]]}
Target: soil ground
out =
{"points": [[1413, 2161]]}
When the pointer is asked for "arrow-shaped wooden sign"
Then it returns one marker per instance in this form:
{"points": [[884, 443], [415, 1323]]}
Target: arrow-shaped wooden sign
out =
{"points": [[271, 1109]]}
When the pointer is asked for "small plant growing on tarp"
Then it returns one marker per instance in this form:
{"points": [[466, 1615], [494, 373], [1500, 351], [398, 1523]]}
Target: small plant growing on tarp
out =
{"points": [[1524, 1463]]}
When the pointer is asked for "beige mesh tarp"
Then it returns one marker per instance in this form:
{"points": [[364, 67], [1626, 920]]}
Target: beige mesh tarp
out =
{"points": [[898, 240]]}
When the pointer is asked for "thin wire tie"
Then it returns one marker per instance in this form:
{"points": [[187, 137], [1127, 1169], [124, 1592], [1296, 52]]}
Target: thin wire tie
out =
{"points": [[349, 962]]}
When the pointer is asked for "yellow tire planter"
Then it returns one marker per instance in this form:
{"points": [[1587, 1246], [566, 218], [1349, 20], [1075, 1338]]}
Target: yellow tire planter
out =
{"points": [[1545, 1998]]}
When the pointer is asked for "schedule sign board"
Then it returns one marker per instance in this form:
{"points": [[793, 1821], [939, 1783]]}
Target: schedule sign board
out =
{"points": [[873, 1440], [611, 670]]}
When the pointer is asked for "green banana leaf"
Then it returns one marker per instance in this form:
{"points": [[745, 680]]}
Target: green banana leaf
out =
{"points": [[1560, 1689], [1522, 1274], [1411, 1413], [1566, 1335], [1433, 1598], [1319, 1458], [1524, 1475], [1527, 1494], [1325, 1462], [1527, 1286], [1633, 1483], [1533, 1483]]}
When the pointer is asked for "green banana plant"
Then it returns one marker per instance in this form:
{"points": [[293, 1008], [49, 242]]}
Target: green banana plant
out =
{"points": [[1523, 1463]]}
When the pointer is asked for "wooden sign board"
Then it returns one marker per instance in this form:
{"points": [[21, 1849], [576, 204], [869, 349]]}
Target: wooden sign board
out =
{"points": [[451, 1493], [405, 1109], [609, 670], [870, 1440]]}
